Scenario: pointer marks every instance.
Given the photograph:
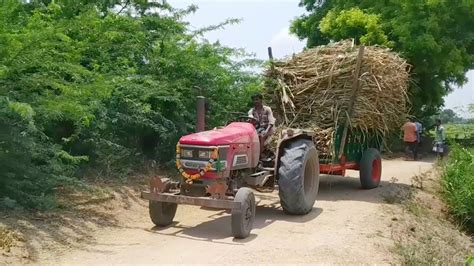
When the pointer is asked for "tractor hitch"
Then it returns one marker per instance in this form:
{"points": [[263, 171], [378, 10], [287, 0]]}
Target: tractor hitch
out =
{"points": [[188, 200]]}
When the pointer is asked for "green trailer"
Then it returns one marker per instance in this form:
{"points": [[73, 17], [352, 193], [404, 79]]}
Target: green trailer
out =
{"points": [[355, 151]]}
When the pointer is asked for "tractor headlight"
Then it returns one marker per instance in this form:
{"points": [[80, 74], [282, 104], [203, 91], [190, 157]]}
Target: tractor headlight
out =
{"points": [[187, 153], [204, 154]]}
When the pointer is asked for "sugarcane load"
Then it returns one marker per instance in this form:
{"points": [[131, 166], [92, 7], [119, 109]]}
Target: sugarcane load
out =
{"points": [[326, 87]]}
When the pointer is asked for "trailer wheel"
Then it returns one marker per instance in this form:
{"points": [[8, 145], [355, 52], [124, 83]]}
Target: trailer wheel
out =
{"points": [[162, 213], [243, 217], [370, 169], [298, 177]]}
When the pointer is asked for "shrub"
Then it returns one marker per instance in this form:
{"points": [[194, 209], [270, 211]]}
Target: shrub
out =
{"points": [[458, 185], [83, 87]]}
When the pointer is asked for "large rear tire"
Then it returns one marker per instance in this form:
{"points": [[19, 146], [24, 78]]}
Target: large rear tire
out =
{"points": [[370, 169], [243, 217], [162, 213], [298, 177]]}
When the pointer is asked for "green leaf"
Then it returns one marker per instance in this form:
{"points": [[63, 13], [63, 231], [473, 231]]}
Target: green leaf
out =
{"points": [[23, 109]]}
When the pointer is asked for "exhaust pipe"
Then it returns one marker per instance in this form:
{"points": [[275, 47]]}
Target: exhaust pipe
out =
{"points": [[201, 114]]}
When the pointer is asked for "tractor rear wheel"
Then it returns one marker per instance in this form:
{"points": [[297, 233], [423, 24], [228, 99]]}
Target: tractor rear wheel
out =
{"points": [[162, 213], [243, 217], [298, 177], [370, 169]]}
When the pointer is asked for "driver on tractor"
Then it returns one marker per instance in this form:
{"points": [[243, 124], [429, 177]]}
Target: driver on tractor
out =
{"points": [[264, 120]]}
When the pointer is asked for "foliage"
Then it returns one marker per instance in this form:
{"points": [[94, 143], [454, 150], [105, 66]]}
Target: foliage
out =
{"points": [[449, 116], [363, 27], [459, 131], [460, 134], [31, 165], [436, 37], [470, 261], [458, 185], [103, 85]]}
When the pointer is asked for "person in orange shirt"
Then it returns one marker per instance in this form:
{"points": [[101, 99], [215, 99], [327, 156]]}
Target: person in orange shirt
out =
{"points": [[410, 138]]}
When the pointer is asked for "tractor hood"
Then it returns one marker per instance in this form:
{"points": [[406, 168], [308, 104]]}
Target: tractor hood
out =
{"points": [[237, 132]]}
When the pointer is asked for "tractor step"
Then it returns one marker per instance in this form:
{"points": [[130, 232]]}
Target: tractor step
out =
{"points": [[259, 173], [259, 178]]}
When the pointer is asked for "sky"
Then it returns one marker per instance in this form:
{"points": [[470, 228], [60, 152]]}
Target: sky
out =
{"points": [[266, 23]]}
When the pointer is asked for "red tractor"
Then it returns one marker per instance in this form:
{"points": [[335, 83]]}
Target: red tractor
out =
{"points": [[221, 168]]}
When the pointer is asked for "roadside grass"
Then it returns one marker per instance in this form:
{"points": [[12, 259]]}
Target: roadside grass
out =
{"points": [[457, 183], [421, 228]]}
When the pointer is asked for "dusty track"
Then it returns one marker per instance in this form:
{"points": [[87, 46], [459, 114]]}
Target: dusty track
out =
{"points": [[347, 225]]}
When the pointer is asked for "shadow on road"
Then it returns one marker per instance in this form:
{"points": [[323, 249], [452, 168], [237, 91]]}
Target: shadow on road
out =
{"points": [[348, 188], [339, 188], [220, 226]]}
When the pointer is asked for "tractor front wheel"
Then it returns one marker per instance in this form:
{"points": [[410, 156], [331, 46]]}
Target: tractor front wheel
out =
{"points": [[243, 217], [162, 213], [370, 169]]}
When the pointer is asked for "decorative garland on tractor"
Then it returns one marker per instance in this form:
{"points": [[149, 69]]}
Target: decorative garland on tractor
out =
{"points": [[190, 177]]}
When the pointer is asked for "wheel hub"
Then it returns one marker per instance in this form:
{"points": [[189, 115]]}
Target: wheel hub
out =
{"points": [[376, 170], [248, 213]]}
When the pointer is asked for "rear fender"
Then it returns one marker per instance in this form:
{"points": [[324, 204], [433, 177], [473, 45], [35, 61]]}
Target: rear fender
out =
{"points": [[287, 136]]}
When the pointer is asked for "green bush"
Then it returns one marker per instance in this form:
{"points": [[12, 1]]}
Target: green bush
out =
{"points": [[31, 166], [84, 88], [458, 185]]}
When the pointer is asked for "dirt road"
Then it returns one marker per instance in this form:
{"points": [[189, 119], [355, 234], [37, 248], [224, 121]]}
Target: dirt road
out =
{"points": [[347, 225]]}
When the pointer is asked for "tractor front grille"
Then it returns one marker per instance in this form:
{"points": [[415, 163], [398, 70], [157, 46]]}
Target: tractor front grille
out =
{"points": [[191, 160], [195, 152], [193, 164]]}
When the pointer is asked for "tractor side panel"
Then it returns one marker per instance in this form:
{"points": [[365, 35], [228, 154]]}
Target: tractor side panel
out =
{"points": [[244, 153]]}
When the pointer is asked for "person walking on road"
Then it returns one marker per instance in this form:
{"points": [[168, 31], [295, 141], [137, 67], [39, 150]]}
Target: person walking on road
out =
{"points": [[419, 130], [410, 138], [440, 138]]}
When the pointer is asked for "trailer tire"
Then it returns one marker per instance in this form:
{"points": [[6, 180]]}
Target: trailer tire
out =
{"points": [[242, 218], [298, 177], [162, 213], [370, 169]]}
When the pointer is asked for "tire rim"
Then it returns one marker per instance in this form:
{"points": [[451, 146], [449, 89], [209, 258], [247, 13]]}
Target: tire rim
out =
{"points": [[376, 169]]}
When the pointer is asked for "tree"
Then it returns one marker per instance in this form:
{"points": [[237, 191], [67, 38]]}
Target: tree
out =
{"points": [[363, 27], [95, 86], [436, 37], [449, 116]]}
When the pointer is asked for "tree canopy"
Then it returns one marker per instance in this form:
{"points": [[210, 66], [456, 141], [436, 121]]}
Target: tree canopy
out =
{"points": [[103, 85], [363, 27], [449, 116], [435, 36]]}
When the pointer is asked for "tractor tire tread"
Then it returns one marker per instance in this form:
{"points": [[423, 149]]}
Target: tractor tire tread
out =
{"points": [[162, 213], [291, 178]]}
